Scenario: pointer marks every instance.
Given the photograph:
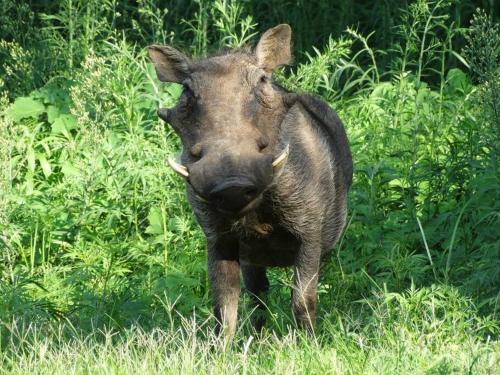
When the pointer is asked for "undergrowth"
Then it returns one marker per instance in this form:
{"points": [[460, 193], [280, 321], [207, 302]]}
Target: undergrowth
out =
{"points": [[102, 266]]}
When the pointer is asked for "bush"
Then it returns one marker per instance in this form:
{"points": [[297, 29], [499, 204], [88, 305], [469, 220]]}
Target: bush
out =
{"points": [[95, 230]]}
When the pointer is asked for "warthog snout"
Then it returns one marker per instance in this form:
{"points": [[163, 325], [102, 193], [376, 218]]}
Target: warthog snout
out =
{"points": [[231, 178], [234, 194]]}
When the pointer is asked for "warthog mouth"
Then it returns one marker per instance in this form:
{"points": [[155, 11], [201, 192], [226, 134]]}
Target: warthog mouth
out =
{"points": [[249, 207], [278, 164]]}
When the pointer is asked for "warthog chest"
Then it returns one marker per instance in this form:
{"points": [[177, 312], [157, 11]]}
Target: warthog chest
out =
{"points": [[276, 248], [263, 240]]}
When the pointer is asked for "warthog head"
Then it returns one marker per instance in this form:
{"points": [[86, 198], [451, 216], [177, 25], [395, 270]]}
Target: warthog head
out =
{"points": [[228, 120]]}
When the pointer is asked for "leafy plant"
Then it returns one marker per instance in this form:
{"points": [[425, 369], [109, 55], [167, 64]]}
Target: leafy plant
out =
{"points": [[97, 239]]}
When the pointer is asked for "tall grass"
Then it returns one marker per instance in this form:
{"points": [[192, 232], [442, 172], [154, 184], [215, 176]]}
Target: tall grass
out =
{"points": [[192, 348], [102, 266]]}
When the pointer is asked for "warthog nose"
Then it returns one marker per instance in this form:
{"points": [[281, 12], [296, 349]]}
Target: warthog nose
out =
{"points": [[233, 196]]}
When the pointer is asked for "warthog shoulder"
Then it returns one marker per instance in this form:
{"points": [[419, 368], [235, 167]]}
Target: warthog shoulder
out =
{"points": [[326, 117]]}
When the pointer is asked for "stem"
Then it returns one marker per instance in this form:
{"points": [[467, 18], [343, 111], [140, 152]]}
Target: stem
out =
{"points": [[427, 248], [71, 32]]}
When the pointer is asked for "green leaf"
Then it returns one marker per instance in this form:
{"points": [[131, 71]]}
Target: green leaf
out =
{"points": [[178, 225], [30, 157], [460, 58], [382, 90], [457, 82], [46, 168], [53, 113], [69, 170], [25, 107], [174, 90], [155, 221], [29, 184], [63, 124]]}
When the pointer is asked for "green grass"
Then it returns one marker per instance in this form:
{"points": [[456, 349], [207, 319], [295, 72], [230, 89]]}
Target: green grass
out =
{"points": [[102, 266], [431, 331]]}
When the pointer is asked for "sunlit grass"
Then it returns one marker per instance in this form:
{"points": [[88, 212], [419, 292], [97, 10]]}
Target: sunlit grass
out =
{"points": [[428, 334], [103, 267]]}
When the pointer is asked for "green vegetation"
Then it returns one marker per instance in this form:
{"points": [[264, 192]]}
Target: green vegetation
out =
{"points": [[102, 266]]}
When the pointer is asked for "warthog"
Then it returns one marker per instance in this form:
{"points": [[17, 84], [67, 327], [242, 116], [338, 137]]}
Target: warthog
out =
{"points": [[267, 171]]}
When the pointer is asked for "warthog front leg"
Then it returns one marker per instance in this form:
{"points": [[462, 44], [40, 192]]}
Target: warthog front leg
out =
{"points": [[224, 274], [257, 285], [305, 281]]}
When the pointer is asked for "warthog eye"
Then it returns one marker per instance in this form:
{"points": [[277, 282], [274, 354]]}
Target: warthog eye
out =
{"points": [[263, 79], [263, 91]]}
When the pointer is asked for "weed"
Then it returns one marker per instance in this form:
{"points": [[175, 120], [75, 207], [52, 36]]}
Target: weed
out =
{"points": [[97, 239]]}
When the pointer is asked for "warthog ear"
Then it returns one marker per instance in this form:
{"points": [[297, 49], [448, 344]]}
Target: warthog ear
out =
{"points": [[273, 48], [170, 64]]}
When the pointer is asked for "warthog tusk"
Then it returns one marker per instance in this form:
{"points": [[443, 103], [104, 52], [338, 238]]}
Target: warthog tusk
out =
{"points": [[281, 159], [277, 163], [179, 168]]}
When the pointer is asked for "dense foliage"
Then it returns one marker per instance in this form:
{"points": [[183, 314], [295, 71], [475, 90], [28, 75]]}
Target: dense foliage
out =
{"points": [[96, 233]]}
